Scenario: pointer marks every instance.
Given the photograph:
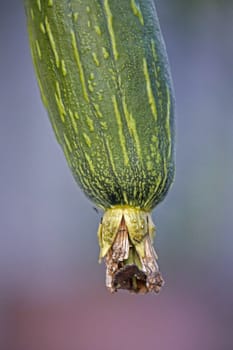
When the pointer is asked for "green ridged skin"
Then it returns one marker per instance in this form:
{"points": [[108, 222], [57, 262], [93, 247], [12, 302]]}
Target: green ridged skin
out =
{"points": [[104, 78]]}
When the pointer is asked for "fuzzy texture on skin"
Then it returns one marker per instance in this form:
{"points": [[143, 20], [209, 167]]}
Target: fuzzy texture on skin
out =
{"points": [[104, 78]]}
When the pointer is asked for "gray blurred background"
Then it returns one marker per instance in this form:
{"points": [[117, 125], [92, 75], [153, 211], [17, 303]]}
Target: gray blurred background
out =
{"points": [[52, 293]]}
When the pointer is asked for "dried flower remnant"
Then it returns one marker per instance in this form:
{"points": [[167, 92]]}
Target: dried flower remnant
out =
{"points": [[126, 238]]}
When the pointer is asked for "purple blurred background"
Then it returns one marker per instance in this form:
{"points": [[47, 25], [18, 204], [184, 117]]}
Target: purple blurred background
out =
{"points": [[52, 293]]}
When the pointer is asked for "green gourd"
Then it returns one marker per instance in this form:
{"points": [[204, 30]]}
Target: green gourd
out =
{"points": [[104, 78]]}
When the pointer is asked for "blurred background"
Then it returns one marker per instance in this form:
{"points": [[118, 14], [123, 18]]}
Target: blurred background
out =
{"points": [[52, 293]]}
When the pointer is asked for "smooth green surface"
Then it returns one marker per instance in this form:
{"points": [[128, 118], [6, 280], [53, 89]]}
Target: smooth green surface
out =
{"points": [[104, 78]]}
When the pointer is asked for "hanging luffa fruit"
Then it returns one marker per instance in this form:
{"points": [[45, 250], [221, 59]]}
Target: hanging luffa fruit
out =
{"points": [[104, 78]]}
